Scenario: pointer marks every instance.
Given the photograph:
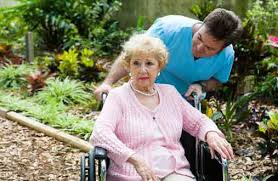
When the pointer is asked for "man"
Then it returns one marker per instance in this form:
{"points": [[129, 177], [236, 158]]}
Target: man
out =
{"points": [[200, 53]]}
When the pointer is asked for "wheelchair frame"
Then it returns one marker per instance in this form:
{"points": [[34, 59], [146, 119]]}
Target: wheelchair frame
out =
{"points": [[94, 165]]}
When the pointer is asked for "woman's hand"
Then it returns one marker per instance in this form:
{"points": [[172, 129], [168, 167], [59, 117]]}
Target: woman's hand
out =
{"points": [[142, 168], [219, 144]]}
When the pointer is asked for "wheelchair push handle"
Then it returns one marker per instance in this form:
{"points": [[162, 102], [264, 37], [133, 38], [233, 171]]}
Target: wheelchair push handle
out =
{"points": [[103, 96]]}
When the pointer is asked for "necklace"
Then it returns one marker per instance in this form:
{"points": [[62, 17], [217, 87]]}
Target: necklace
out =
{"points": [[143, 93]]}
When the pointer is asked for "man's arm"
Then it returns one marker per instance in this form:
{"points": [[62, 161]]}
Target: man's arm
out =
{"points": [[116, 72], [210, 85]]}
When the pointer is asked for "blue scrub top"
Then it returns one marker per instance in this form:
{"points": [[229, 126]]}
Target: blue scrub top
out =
{"points": [[182, 70]]}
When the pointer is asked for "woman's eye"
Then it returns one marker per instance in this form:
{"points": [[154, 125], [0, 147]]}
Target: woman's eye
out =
{"points": [[149, 63], [136, 63]]}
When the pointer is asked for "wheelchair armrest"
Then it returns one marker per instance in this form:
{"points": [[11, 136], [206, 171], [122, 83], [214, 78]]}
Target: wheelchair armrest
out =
{"points": [[100, 153], [211, 169]]}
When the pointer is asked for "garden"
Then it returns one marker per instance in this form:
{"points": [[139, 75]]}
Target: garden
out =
{"points": [[53, 54]]}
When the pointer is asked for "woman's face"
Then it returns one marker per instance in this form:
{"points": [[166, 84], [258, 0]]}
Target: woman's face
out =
{"points": [[144, 69]]}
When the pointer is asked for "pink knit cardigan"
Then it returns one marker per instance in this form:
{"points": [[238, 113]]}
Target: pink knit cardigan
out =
{"points": [[125, 127]]}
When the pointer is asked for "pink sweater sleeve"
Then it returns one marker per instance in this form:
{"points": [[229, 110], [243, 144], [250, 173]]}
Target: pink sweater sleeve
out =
{"points": [[104, 131], [194, 122]]}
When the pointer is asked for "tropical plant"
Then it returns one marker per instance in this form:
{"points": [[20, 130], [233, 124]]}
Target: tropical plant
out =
{"points": [[7, 56], [65, 91], [260, 21], [229, 115], [53, 114], [267, 81], [13, 28], [36, 80], [67, 23], [268, 130], [14, 76], [203, 8]]}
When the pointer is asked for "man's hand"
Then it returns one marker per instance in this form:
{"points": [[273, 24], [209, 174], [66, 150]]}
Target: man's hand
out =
{"points": [[219, 144], [104, 87], [197, 88]]}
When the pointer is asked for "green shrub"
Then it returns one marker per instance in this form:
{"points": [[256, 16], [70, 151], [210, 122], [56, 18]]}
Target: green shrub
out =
{"points": [[261, 20], [231, 113], [202, 9], [13, 27], [66, 23], [51, 113], [268, 130], [65, 91], [14, 76]]}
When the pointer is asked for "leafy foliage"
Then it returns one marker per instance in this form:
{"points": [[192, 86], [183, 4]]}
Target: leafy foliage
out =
{"points": [[7, 56], [202, 9], [232, 112], [268, 130], [260, 21], [37, 80], [268, 80], [13, 28], [52, 113], [67, 23], [65, 91], [78, 64], [14, 76]]}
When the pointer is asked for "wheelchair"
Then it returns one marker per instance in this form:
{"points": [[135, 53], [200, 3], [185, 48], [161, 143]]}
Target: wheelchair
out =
{"points": [[94, 165]]}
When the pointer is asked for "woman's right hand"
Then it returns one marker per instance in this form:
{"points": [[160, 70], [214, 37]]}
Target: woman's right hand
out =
{"points": [[104, 87], [143, 168]]}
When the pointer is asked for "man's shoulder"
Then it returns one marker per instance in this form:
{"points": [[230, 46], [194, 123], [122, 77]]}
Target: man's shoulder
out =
{"points": [[176, 21], [228, 52]]}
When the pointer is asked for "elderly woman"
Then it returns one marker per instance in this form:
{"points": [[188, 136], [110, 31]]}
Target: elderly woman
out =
{"points": [[141, 122]]}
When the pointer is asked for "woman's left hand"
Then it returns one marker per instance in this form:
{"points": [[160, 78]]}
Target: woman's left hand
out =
{"points": [[219, 144]]}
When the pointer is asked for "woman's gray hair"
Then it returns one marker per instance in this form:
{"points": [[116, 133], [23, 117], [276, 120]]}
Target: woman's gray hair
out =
{"points": [[142, 43]]}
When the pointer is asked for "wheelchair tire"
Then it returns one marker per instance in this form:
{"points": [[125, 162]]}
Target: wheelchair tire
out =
{"points": [[91, 164], [83, 168]]}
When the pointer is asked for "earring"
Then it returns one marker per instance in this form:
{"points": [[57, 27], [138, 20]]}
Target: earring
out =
{"points": [[158, 74], [129, 74]]}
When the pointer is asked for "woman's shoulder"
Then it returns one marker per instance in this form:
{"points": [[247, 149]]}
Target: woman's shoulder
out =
{"points": [[166, 88], [120, 91]]}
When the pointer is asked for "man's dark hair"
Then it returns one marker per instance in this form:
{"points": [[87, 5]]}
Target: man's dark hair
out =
{"points": [[224, 25]]}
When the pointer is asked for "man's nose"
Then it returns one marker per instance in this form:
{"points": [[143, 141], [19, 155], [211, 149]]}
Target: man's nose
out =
{"points": [[200, 47]]}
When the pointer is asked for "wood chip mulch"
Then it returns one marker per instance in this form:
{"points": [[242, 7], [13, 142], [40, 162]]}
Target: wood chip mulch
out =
{"points": [[27, 155]]}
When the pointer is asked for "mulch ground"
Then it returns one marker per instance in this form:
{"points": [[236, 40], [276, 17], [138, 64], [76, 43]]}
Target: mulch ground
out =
{"points": [[248, 162], [28, 155]]}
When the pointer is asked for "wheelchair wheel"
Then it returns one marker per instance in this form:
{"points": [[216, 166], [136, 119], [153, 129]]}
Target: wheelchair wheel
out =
{"points": [[83, 174], [87, 167], [91, 163]]}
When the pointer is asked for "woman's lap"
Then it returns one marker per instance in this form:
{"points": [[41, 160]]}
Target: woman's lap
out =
{"points": [[177, 177]]}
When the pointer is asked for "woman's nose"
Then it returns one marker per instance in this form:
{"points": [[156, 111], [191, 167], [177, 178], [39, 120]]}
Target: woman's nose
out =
{"points": [[143, 69]]}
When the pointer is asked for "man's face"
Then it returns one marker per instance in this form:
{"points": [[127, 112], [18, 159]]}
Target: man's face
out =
{"points": [[205, 45]]}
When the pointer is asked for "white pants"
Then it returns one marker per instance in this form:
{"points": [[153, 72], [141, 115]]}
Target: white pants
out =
{"points": [[177, 177]]}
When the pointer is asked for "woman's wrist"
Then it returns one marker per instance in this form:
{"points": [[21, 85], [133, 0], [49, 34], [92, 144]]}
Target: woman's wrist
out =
{"points": [[134, 160]]}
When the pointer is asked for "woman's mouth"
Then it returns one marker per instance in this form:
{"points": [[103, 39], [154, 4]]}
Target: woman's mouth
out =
{"points": [[143, 78]]}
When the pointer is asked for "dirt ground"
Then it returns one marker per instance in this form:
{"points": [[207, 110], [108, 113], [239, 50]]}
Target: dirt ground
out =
{"points": [[248, 161], [28, 155]]}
